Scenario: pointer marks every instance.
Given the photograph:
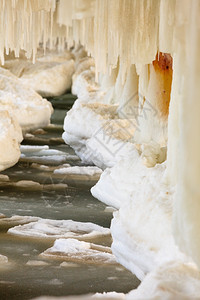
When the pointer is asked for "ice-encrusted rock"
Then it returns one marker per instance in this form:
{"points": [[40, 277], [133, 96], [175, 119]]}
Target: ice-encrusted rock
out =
{"points": [[29, 108], [10, 138], [51, 75]]}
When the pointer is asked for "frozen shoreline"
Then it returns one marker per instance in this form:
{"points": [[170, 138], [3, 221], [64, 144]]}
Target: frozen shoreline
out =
{"points": [[134, 182]]}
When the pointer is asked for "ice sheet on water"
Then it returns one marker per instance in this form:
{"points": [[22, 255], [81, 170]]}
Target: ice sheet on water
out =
{"points": [[54, 229], [107, 296], [81, 252], [16, 220], [89, 171]]}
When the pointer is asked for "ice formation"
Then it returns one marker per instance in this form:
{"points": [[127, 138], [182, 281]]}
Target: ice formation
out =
{"points": [[30, 109], [89, 171], [48, 78], [149, 79], [79, 251], [10, 137], [53, 229], [136, 116]]}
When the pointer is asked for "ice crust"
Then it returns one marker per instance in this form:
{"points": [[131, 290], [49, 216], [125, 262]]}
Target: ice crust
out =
{"points": [[79, 251], [53, 229]]}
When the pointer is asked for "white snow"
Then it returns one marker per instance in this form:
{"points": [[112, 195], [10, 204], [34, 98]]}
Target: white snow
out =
{"points": [[53, 229], [142, 198], [79, 251], [171, 281], [88, 171], [108, 296]]}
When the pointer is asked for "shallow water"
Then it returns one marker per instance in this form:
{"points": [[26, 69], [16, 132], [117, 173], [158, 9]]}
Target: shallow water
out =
{"points": [[19, 280]]}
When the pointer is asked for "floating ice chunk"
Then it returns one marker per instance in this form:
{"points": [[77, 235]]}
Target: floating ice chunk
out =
{"points": [[36, 263], [68, 265], [54, 229], [107, 296], [3, 178], [79, 251], [26, 184], [48, 159], [42, 167], [40, 151], [28, 148], [16, 220], [89, 171], [109, 209], [3, 259]]}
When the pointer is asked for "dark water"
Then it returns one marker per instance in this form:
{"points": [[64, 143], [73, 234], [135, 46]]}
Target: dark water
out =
{"points": [[19, 280]]}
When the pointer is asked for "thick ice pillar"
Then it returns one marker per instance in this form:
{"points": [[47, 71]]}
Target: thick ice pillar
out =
{"points": [[187, 202]]}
